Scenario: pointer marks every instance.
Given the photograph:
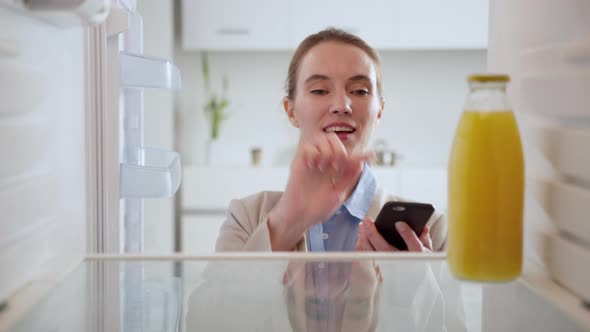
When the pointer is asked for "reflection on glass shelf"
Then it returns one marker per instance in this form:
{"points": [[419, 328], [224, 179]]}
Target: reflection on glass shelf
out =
{"points": [[264, 295], [150, 173], [138, 71], [305, 292]]}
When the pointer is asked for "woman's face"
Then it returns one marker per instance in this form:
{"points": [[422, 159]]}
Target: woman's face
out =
{"points": [[336, 91]]}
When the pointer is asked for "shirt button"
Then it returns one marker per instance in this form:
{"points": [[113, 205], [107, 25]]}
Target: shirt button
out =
{"points": [[321, 265], [326, 236]]}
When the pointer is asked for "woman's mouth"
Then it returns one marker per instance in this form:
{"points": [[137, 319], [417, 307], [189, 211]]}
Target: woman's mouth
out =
{"points": [[343, 131]]}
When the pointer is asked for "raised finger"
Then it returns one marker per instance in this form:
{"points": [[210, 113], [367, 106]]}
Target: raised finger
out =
{"points": [[340, 153], [326, 153], [310, 155]]}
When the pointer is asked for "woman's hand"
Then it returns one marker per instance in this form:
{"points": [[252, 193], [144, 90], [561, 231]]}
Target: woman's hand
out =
{"points": [[370, 240], [322, 175]]}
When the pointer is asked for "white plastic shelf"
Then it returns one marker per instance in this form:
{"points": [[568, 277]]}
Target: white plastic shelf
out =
{"points": [[150, 173], [567, 262], [567, 150], [556, 58], [566, 204], [138, 71], [560, 95], [88, 11]]}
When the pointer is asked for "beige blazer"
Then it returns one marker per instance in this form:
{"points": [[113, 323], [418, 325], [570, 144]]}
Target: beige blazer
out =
{"points": [[246, 224]]}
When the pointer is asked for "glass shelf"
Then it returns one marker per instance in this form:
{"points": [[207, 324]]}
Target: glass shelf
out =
{"points": [[294, 292], [150, 173], [139, 71]]}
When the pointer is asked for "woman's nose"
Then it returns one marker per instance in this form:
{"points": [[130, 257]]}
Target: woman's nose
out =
{"points": [[341, 104]]}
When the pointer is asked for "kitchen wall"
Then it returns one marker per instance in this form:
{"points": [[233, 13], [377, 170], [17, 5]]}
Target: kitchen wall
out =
{"points": [[43, 192], [424, 92]]}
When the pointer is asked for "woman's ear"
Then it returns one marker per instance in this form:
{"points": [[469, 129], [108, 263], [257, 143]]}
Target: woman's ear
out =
{"points": [[288, 105], [380, 113]]}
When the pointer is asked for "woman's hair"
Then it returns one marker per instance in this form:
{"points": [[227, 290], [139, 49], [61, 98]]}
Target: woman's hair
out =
{"points": [[328, 35]]}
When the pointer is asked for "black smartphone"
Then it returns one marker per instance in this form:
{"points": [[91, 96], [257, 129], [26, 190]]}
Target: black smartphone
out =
{"points": [[416, 215]]}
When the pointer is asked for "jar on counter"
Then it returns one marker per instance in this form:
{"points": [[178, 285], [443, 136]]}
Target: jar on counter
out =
{"points": [[486, 186]]}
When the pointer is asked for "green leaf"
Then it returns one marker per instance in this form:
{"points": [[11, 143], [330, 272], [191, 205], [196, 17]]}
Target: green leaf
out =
{"points": [[223, 104], [205, 71], [225, 85]]}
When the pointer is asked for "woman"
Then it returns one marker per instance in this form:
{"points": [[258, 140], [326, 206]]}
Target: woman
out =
{"points": [[334, 97]]}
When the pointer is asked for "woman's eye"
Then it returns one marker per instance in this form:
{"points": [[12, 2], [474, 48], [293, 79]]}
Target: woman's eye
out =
{"points": [[360, 92], [319, 92]]}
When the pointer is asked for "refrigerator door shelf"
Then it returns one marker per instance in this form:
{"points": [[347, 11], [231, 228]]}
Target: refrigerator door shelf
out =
{"points": [[566, 205], [562, 95], [567, 263], [150, 173], [88, 11], [138, 71], [567, 150]]}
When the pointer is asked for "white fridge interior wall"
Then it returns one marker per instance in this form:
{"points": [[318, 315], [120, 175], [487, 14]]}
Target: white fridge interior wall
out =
{"points": [[545, 47], [43, 147]]}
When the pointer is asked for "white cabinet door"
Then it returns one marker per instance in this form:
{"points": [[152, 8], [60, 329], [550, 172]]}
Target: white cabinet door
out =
{"points": [[443, 24], [376, 21], [234, 24]]}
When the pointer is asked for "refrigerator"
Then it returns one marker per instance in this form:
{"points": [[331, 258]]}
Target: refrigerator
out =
{"points": [[75, 170], [545, 48], [72, 81]]}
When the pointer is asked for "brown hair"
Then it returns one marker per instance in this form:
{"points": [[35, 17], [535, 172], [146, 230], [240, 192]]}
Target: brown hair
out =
{"points": [[327, 35]]}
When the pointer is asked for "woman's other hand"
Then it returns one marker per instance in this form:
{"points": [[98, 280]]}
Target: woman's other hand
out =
{"points": [[371, 240]]}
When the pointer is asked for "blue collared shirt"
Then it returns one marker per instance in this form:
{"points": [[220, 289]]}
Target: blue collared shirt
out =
{"points": [[340, 232], [327, 284]]}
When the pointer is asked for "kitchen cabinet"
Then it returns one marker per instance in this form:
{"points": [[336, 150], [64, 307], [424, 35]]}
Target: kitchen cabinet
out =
{"points": [[432, 24], [282, 24], [234, 24], [376, 21]]}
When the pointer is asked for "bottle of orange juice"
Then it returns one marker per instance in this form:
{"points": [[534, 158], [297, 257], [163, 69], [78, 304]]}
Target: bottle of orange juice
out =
{"points": [[486, 186]]}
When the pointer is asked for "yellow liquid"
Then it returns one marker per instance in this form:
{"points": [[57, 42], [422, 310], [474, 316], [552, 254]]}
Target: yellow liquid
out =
{"points": [[486, 197]]}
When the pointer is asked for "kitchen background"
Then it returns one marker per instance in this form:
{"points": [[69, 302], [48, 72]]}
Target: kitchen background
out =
{"points": [[424, 75], [73, 184]]}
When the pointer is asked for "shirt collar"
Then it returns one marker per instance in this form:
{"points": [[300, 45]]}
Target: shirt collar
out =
{"points": [[359, 202]]}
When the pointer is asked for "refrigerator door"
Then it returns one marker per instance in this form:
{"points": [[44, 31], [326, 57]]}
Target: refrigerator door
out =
{"points": [[545, 47], [131, 171]]}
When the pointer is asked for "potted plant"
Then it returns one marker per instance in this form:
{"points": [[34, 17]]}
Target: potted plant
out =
{"points": [[215, 106]]}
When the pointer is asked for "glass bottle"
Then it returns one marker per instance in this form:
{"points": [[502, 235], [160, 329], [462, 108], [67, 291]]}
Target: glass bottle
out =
{"points": [[486, 186]]}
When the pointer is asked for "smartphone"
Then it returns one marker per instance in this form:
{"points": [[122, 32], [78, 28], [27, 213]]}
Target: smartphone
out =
{"points": [[416, 215]]}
